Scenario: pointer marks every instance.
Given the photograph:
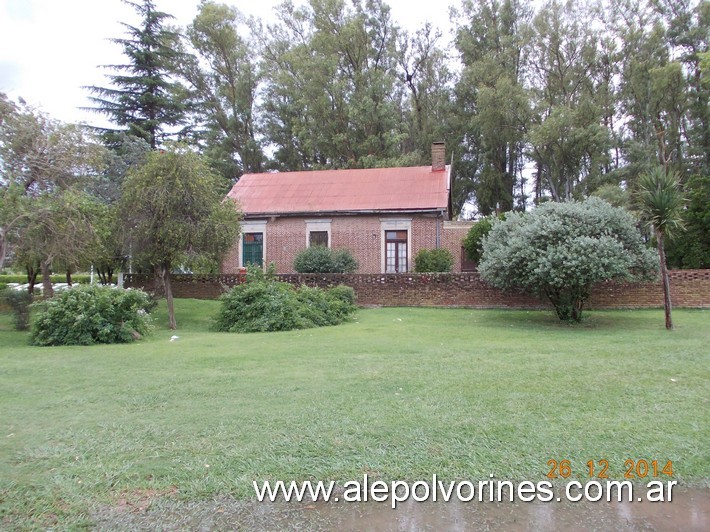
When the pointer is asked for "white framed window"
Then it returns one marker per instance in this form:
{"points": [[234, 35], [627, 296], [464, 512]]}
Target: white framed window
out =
{"points": [[252, 243], [396, 248], [318, 233]]}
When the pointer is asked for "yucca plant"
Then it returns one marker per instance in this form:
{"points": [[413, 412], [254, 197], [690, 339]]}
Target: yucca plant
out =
{"points": [[661, 204]]}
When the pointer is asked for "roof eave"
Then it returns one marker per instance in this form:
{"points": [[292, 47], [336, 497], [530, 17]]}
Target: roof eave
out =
{"points": [[428, 210]]}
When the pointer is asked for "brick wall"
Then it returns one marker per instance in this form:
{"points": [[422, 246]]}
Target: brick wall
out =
{"points": [[362, 235], [689, 289]]}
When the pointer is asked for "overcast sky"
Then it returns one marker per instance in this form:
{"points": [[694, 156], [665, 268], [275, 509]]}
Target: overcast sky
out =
{"points": [[49, 49]]}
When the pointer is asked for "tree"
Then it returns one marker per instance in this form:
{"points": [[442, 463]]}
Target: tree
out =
{"points": [[690, 248], [143, 98], [58, 229], [561, 250], [12, 214], [661, 204], [424, 71], [567, 141], [492, 102], [331, 96], [38, 156], [108, 255], [224, 77], [173, 213]]}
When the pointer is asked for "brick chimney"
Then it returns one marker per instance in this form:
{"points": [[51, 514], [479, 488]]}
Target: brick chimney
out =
{"points": [[438, 157]]}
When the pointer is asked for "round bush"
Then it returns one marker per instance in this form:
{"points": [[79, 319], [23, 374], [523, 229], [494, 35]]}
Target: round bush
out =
{"points": [[433, 260], [346, 294], [319, 259], [88, 315], [561, 250]]}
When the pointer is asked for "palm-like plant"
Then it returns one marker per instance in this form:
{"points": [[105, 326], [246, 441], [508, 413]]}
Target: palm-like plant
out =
{"points": [[661, 203]]}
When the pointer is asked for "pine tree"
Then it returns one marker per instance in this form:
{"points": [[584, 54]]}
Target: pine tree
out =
{"points": [[143, 99]]}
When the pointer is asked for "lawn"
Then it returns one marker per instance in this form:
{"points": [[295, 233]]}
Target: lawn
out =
{"points": [[395, 393]]}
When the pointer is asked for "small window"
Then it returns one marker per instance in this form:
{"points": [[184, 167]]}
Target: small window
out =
{"points": [[396, 235], [318, 238]]}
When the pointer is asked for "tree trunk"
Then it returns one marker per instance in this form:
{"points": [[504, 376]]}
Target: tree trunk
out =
{"points": [[3, 248], [69, 282], [31, 278], [167, 287], [665, 280], [47, 290]]}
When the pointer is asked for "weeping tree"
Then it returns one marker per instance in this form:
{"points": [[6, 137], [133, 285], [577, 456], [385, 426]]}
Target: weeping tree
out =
{"points": [[661, 204], [58, 229], [173, 214]]}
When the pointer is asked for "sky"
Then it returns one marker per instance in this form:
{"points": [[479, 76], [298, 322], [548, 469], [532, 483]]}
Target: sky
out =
{"points": [[50, 49]]}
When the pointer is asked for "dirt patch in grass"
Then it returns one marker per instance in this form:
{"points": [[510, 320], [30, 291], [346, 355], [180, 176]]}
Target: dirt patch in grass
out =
{"points": [[140, 500]]}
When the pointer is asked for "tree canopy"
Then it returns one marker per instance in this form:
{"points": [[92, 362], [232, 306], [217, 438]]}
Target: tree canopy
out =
{"points": [[552, 101]]}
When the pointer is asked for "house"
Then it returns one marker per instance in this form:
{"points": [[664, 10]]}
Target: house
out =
{"points": [[384, 216]]}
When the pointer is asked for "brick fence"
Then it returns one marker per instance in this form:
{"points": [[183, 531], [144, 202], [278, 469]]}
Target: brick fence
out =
{"points": [[689, 289]]}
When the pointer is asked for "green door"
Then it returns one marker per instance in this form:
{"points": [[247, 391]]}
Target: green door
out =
{"points": [[253, 249]]}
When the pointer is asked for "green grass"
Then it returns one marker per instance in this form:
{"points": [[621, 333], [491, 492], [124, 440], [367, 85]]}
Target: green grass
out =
{"points": [[397, 393]]}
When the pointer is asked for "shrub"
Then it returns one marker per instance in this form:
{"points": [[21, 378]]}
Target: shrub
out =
{"points": [[560, 250], [343, 261], [257, 273], [473, 243], [89, 315], [318, 308], [260, 306], [434, 260], [344, 293], [320, 259], [19, 301]]}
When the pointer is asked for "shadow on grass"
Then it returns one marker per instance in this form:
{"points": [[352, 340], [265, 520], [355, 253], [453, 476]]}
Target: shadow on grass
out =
{"points": [[9, 337], [616, 320], [190, 314]]}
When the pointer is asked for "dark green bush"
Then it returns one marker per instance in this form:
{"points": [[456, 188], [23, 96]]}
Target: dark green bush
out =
{"points": [[343, 261], [257, 306], [433, 260], [473, 243], [260, 306], [319, 259], [318, 308], [88, 315], [19, 301], [345, 293]]}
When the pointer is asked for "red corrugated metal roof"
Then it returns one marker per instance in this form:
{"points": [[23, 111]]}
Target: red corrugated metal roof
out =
{"points": [[326, 191]]}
